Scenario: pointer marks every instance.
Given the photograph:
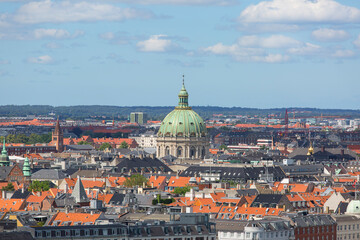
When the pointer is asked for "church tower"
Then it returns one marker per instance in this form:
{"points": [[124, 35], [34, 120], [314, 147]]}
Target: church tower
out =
{"points": [[27, 171], [58, 137], [4, 157]]}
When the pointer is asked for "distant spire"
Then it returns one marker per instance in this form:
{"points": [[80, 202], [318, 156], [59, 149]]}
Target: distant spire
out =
{"points": [[4, 150], [183, 96]]}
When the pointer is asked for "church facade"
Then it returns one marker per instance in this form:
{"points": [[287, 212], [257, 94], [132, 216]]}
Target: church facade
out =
{"points": [[183, 132]]}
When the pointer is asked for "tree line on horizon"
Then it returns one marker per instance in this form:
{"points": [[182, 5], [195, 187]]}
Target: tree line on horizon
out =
{"points": [[155, 113]]}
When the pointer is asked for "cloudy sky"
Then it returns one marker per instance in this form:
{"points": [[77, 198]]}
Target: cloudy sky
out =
{"points": [[247, 53]]}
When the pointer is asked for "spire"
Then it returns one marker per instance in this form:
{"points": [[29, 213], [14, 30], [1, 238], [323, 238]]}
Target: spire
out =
{"points": [[183, 96], [79, 193], [57, 126], [311, 149], [26, 168], [4, 157], [4, 149]]}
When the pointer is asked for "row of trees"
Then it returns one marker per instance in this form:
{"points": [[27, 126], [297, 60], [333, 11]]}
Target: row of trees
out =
{"points": [[108, 146], [36, 186], [23, 138]]}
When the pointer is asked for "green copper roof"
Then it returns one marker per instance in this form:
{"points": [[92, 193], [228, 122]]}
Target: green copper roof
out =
{"points": [[26, 168], [182, 121], [4, 157]]}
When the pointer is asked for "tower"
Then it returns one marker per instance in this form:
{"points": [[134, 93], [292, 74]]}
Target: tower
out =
{"points": [[58, 137], [4, 157], [26, 168], [286, 123], [27, 171]]}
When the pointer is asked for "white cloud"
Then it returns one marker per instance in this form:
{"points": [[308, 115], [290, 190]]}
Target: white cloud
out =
{"points": [[357, 42], [156, 43], [107, 35], [343, 54], [55, 33], [52, 45], [307, 49], [182, 2], [245, 54], [69, 11], [329, 35], [46, 59], [299, 11], [274, 41]]}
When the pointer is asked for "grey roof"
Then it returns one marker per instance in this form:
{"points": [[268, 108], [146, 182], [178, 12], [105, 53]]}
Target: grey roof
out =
{"points": [[16, 236], [329, 154], [85, 173], [80, 147], [20, 194], [267, 200], [268, 224], [313, 220], [138, 165], [4, 172], [49, 174], [79, 193], [235, 173]]}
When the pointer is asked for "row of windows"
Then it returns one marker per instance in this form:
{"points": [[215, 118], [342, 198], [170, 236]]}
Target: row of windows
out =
{"points": [[79, 232], [348, 227]]}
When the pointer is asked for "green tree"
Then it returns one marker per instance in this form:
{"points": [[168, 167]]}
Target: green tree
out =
{"points": [[181, 191], [135, 180], [223, 147], [34, 138], [83, 143], [124, 145], [38, 186], [8, 187], [105, 146]]}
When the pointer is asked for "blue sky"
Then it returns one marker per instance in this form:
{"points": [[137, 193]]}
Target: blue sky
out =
{"points": [[246, 53]]}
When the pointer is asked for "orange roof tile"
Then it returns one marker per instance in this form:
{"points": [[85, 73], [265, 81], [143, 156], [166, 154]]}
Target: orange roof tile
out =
{"points": [[12, 205], [69, 219]]}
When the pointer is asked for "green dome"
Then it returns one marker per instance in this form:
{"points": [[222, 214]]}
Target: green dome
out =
{"points": [[182, 121]]}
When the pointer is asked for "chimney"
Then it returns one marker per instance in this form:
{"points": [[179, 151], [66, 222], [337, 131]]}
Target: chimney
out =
{"points": [[260, 205], [246, 204], [152, 184], [323, 149], [342, 152], [155, 177], [192, 194], [141, 156]]}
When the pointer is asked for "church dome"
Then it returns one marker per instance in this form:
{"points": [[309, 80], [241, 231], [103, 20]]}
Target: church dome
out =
{"points": [[182, 121], [353, 207]]}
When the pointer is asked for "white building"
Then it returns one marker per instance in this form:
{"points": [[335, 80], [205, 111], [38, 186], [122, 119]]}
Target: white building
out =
{"points": [[265, 229], [145, 140]]}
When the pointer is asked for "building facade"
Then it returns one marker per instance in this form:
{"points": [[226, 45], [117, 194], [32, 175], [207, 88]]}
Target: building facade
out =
{"points": [[183, 133], [138, 117]]}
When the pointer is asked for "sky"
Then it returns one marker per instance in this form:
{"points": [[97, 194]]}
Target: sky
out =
{"points": [[243, 53]]}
